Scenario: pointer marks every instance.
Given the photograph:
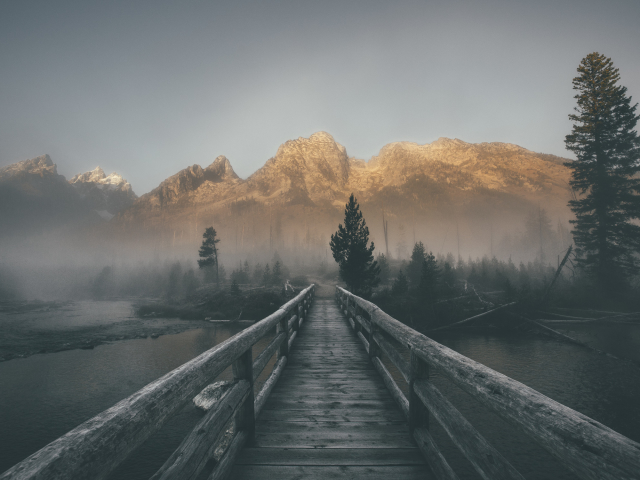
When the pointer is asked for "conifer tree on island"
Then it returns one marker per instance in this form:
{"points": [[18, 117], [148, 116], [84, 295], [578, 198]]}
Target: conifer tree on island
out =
{"points": [[607, 158], [209, 254], [349, 247]]}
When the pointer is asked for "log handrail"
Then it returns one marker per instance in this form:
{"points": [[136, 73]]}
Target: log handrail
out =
{"points": [[585, 446], [96, 447]]}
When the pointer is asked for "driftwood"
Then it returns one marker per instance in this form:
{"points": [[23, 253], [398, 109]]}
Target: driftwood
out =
{"points": [[555, 277], [475, 317]]}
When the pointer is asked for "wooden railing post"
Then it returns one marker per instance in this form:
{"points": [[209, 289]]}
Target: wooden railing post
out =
{"points": [[300, 312], [283, 326], [245, 419], [358, 326], [374, 348], [418, 413]]}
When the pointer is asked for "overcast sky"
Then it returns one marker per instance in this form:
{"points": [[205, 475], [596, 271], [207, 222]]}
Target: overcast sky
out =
{"points": [[148, 88]]}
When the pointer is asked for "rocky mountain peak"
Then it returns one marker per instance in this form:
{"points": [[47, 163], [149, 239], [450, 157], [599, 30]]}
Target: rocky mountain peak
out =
{"points": [[220, 170], [98, 178], [41, 166], [304, 171], [93, 176]]}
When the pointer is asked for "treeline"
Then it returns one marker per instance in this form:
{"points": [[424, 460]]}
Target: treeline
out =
{"points": [[180, 279], [429, 291]]}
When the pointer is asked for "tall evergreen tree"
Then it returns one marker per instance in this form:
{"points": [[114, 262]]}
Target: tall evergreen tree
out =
{"points": [[400, 285], [383, 263], [349, 247], [209, 253], [276, 275], [604, 173], [266, 275], [414, 270], [429, 278]]}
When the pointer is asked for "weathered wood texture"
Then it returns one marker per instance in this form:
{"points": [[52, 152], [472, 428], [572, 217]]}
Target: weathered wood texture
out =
{"points": [[330, 414], [195, 450], [261, 360], [585, 446], [487, 461], [96, 447], [430, 450]]}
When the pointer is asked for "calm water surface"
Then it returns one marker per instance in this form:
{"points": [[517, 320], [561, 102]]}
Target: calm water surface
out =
{"points": [[44, 396]]}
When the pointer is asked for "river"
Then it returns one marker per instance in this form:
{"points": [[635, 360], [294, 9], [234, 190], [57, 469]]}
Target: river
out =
{"points": [[45, 395]]}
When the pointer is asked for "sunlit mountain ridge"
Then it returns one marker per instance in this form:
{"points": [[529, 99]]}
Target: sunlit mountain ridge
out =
{"points": [[480, 191]]}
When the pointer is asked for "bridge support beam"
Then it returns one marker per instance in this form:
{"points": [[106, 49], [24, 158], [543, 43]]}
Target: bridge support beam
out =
{"points": [[418, 413], [283, 327], [245, 418]]}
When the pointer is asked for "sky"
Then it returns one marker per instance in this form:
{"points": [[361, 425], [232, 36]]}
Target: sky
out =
{"points": [[147, 88]]}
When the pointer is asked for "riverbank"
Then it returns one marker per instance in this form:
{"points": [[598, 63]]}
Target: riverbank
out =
{"points": [[30, 328]]}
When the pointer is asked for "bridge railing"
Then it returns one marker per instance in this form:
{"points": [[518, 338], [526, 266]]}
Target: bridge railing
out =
{"points": [[585, 446], [96, 447]]}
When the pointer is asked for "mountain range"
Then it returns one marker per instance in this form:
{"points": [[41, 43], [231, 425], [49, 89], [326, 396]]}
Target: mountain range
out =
{"points": [[34, 198], [298, 196]]}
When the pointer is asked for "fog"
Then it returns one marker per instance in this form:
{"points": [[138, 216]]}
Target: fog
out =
{"points": [[108, 261]]}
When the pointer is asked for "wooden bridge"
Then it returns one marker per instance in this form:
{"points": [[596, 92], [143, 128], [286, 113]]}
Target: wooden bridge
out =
{"points": [[331, 409]]}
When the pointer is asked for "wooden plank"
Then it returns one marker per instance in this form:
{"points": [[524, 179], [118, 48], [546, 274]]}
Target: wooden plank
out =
{"points": [[307, 415], [337, 439], [285, 472], [294, 404], [355, 428], [319, 387], [330, 456]]}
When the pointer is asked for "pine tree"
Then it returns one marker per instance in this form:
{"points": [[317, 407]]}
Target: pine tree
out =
{"points": [[209, 253], [383, 263], [258, 273], [607, 158], [349, 247], [266, 275], [400, 285], [414, 269], [276, 275], [429, 278]]}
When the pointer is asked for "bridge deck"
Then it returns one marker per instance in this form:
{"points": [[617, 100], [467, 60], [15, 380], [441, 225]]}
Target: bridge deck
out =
{"points": [[330, 415]]}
